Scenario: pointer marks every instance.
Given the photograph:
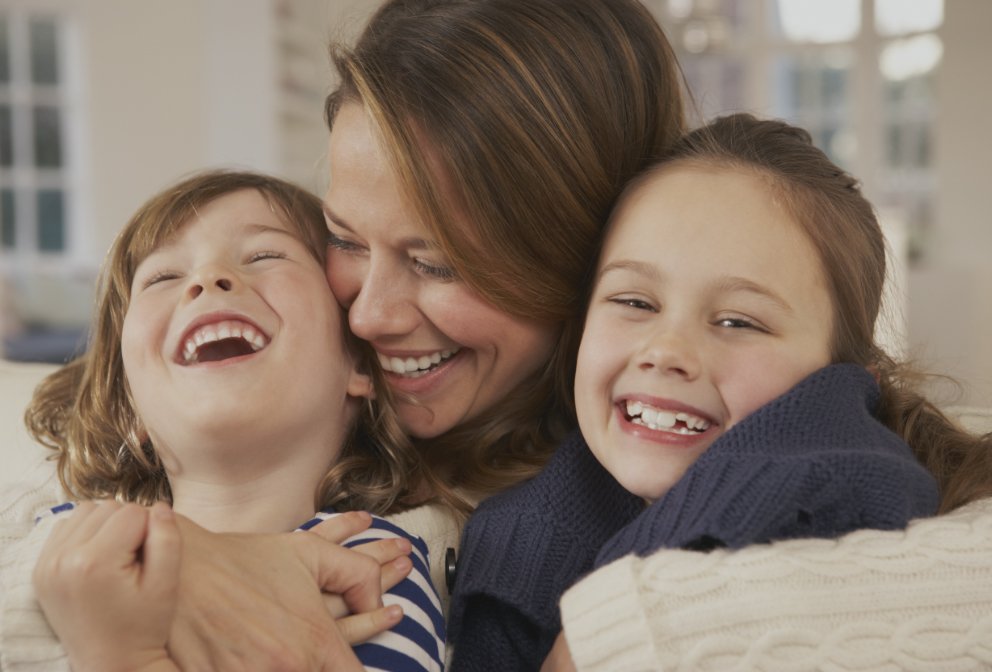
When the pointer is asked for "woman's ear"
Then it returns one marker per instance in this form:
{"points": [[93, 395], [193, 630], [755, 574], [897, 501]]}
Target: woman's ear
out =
{"points": [[360, 385]]}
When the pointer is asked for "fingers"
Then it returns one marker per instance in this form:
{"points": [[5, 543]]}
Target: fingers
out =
{"points": [[391, 574], [338, 528], [162, 550], [362, 627]]}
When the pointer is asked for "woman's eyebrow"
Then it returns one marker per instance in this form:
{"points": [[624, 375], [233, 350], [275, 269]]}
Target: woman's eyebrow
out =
{"points": [[411, 243]]}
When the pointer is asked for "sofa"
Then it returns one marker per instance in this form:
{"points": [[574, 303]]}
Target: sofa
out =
{"points": [[917, 599]]}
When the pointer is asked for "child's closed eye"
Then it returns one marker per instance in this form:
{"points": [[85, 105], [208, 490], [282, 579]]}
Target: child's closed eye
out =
{"points": [[740, 323], [634, 302], [159, 276], [261, 255]]}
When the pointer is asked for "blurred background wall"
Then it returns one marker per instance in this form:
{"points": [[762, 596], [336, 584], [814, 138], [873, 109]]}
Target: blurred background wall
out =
{"points": [[104, 102]]}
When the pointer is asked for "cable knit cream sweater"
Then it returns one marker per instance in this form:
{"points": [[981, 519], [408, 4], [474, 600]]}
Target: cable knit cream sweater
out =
{"points": [[914, 599]]}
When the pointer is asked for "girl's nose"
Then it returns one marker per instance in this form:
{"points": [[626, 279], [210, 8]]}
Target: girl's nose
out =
{"points": [[669, 352], [208, 280]]}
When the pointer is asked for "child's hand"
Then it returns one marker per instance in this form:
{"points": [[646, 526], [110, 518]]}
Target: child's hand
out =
{"points": [[107, 580]]}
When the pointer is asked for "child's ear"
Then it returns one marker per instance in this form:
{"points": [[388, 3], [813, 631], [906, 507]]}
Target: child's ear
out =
{"points": [[360, 385]]}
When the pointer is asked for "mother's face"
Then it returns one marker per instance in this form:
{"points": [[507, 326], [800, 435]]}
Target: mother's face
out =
{"points": [[448, 354]]}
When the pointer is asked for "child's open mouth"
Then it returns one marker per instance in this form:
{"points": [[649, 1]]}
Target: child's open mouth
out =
{"points": [[221, 340]]}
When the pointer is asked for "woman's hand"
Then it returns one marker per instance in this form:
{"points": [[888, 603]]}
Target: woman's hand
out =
{"points": [[107, 580], [560, 658], [253, 602]]}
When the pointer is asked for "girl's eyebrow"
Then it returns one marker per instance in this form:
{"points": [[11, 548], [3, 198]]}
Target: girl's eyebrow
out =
{"points": [[256, 229], [724, 285], [733, 284], [411, 243], [649, 271]]}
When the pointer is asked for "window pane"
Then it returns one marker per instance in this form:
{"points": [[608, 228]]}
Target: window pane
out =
{"points": [[51, 223], [44, 61], [8, 227], [897, 17], [903, 59], [813, 82], [4, 51], [6, 137], [817, 21], [47, 138]]}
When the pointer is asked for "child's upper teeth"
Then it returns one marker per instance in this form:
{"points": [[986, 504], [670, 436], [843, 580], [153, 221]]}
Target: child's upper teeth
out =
{"points": [[656, 418], [218, 331]]}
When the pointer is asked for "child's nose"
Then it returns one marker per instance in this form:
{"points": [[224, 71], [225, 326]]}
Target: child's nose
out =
{"points": [[213, 279], [671, 353]]}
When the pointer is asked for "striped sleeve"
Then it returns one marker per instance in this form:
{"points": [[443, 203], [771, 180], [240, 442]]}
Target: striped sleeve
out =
{"points": [[417, 642]]}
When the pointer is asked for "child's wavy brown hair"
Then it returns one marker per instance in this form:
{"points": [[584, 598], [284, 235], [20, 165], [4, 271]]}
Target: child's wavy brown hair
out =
{"points": [[84, 410]]}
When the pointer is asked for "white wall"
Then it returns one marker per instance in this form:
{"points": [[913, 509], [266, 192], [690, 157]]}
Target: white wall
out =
{"points": [[950, 294]]}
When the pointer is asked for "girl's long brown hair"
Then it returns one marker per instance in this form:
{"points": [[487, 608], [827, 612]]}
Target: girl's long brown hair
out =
{"points": [[533, 115], [827, 203]]}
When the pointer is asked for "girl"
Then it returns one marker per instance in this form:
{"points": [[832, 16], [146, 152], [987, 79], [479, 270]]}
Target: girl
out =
{"points": [[728, 376], [220, 379]]}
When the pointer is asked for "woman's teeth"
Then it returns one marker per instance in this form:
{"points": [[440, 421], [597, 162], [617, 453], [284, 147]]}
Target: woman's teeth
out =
{"points": [[413, 367], [657, 419]]}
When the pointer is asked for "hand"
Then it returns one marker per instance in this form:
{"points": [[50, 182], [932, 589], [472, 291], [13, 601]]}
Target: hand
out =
{"points": [[395, 565], [253, 602], [560, 658], [107, 580]]}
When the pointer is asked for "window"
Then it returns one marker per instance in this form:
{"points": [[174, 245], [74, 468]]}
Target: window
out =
{"points": [[34, 193], [858, 74]]}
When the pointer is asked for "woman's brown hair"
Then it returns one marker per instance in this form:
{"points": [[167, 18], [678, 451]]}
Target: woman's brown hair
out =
{"points": [[84, 410], [827, 203], [524, 119]]}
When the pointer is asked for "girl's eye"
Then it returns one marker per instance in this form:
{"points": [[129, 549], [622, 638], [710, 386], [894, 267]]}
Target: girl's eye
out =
{"points": [[631, 302], [158, 277], [433, 270], [740, 323], [266, 254], [341, 243]]}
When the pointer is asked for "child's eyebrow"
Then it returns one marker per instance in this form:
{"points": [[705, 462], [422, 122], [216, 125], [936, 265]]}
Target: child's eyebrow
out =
{"points": [[257, 229], [733, 284], [649, 271]]}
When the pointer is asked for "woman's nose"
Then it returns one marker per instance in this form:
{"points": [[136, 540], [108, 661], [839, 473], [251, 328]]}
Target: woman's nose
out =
{"points": [[384, 306]]}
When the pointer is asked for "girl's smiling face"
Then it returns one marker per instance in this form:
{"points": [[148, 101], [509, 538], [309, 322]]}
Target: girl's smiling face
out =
{"points": [[708, 303]]}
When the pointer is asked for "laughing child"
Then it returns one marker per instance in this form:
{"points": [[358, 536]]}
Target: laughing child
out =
{"points": [[220, 380]]}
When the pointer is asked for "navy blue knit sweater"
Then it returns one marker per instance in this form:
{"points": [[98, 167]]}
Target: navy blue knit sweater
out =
{"points": [[812, 463]]}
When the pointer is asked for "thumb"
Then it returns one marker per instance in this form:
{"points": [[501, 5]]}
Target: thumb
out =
{"points": [[162, 550]]}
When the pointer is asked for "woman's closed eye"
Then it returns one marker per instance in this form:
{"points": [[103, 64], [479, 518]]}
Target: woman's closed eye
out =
{"points": [[436, 271], [341, 244]]}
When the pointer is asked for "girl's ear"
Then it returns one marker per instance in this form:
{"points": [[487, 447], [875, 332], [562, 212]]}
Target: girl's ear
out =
{"points": [[360, 385]]}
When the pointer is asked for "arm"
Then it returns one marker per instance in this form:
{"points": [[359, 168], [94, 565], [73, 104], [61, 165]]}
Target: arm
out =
{"points": [[254, 602], [924, 594], [107, 581]]}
